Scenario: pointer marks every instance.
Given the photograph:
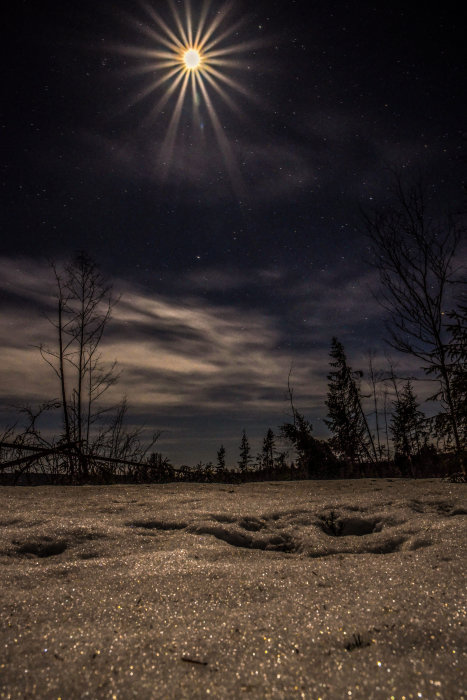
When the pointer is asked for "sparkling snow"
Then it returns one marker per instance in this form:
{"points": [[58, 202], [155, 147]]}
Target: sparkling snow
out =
{"points": [[328, 589]]}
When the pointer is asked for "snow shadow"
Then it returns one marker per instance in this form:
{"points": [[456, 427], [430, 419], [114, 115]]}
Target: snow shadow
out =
{"points": [[308, 532], [157, 524], [43, 547], [77, 543]]}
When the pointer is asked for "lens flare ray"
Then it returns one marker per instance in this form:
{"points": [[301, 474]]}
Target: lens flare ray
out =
{"points": [[190, 54]]}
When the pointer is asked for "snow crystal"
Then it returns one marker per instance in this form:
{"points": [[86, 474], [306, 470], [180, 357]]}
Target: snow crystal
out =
{"points": [[313, 590]]}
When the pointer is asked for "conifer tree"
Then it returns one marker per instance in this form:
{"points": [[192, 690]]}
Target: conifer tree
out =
{"points": [[314, 457], [351, 436], [267, 453], [245, 453], [407, 423], [221, 459]]}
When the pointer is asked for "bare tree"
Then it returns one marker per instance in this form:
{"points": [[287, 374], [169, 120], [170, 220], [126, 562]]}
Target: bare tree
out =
{"points": [[89, 305], [414, 253], [386, 423], [375, 378], [84, 304]]}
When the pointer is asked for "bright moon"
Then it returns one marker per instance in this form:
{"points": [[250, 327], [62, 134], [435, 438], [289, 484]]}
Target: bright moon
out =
{"points": [[195, 58], [192, 59]]}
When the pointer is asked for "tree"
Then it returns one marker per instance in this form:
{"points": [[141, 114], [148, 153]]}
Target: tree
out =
{"points": [[351, 435], [84, 304], [374, 379], [457, 368], [245, 453], [266, 459], [89, 306], [386, 422], [408, 424], [315, 458], [220, 459], [457, 351], [414, 254]]}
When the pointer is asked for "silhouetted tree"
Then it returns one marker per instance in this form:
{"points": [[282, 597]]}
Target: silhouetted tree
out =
{"points": [[266, 460], [117, 441], [245, 453], [157, 468], [351, 435], [84, 305], [458, 366], [315, 458], [220, 467], [408, 424], [209, 471], [89, 305], [414, 254], [375, 378], [280, 461]]}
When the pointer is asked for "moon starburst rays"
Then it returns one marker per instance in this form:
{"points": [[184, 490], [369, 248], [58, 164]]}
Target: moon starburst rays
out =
{"points": [[190, 55]]}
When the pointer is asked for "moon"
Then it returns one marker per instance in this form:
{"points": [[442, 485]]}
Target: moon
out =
{"points": [[192, 55], [192, 59]]}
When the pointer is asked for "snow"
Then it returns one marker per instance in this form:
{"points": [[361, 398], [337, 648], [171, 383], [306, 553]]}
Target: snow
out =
{"points": [[328, 589]]}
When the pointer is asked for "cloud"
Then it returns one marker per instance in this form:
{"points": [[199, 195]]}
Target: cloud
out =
{"points": [[27, 279], [183, 349], [202, 353], [183, 357], [170, 350]]}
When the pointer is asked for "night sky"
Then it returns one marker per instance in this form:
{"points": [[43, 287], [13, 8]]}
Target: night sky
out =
{"points": [[235, 239]]}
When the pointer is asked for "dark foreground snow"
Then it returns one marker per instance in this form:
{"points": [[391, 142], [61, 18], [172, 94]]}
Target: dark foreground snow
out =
{"points": [[337, 589]]}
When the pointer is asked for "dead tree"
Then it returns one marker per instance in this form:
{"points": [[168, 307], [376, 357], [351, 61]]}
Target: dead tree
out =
{"points": [[84, 305], [414, 253], [375, 378]]}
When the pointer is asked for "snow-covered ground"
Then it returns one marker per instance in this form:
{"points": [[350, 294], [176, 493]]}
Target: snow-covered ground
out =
{"points": [[333, 589]]}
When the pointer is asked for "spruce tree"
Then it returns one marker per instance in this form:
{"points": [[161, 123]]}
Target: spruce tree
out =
{"points": [[315, 458], [267, 453], [351, 437], [245, 453], [220, 459], [407, 423]]}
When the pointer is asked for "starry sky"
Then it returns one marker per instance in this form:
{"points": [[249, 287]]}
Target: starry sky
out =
{"points": [[231, 230]]}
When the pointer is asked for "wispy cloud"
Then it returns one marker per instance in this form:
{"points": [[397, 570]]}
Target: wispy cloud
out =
{"points": [[183, 357]]}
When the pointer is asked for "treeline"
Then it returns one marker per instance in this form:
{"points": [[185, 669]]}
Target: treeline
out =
{"points": [[401, 440], [423, 293], [394, 439]]}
